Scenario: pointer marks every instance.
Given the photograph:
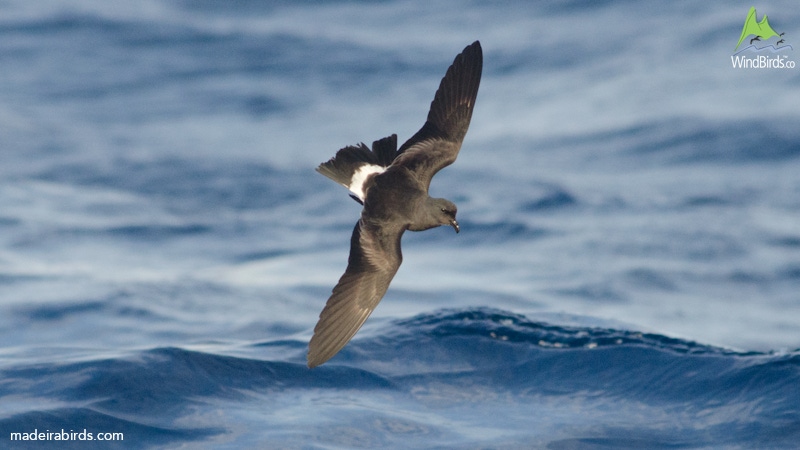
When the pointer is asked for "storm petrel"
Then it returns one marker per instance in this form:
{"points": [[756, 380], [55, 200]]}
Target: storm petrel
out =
{"points": [[392, 185]]}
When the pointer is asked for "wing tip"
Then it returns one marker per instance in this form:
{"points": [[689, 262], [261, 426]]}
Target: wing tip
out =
{"points": [[315, 361], [475, 46], [315, 355]]}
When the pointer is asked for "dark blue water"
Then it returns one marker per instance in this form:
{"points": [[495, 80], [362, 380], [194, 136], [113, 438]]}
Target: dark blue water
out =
{"points": [[453, 378], [627, 274]]}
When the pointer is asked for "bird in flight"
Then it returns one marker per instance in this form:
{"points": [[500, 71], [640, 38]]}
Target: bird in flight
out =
{"points": [[392, 185]]}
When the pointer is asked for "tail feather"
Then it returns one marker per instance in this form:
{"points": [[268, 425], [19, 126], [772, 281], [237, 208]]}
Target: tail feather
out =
{"points": [[347, 161], [353, 165], [385, 150]]}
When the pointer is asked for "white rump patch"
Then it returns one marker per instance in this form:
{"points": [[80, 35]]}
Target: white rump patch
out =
{"points": [[360, 177]]}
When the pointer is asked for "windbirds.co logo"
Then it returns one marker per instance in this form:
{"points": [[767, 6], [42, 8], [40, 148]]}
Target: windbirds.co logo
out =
{"points": [[761, 37]]}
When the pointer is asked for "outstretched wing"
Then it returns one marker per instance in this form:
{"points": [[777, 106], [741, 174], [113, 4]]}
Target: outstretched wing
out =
{"points": [[374, 259], [437, 143]]}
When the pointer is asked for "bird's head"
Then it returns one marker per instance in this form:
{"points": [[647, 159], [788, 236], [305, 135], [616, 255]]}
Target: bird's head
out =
{"points": [[445, 211]]}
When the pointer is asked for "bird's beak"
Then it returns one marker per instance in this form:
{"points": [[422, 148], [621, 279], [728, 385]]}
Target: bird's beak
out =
{"points": [[455, 226]]}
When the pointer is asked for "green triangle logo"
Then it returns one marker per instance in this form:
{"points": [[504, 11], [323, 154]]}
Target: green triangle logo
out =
{"points": [[761, 30]]}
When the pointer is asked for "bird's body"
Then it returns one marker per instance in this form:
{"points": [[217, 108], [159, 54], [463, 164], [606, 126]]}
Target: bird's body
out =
{"points": [[392, 184]]}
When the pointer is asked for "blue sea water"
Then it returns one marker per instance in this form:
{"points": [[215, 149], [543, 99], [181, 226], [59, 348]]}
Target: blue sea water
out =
{"points": [[627, 273]]}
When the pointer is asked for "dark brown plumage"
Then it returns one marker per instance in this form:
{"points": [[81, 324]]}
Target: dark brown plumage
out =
{"points": [[393, 186]]}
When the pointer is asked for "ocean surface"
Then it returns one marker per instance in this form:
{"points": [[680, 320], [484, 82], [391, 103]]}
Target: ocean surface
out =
{"points": [[627, 273]]}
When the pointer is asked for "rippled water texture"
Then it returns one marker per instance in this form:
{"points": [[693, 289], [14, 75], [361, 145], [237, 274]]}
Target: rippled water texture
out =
{"points": [[626, 275]]}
